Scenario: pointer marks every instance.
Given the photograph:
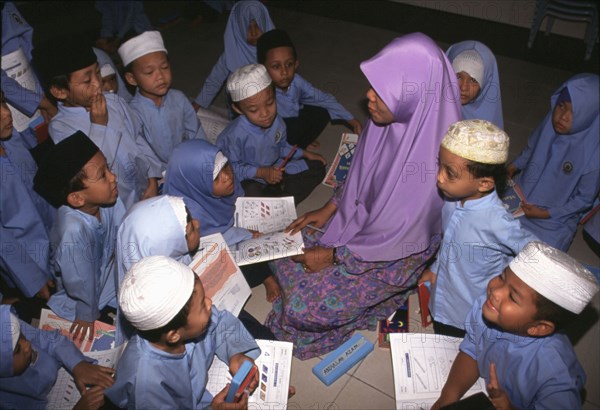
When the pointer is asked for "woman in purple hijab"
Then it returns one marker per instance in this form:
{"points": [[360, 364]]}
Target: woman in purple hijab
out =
{"points": [[383, 226]]}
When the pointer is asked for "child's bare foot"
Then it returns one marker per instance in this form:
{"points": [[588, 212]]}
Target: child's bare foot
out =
{"points": [[315, 144], [272, 287]]}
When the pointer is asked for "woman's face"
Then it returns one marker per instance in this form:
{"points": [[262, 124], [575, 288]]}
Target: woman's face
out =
{"points": [[469, 87], [380, 113]]}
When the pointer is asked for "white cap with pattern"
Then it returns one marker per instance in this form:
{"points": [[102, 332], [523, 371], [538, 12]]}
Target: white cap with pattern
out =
{"points": [[247, 81], [220, 161], [154, 290], [555, 275], [477, 140], [138, 46], [178, 206], [471, 63]]}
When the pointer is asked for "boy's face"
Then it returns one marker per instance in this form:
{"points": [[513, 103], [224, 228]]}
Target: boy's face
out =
{"points": [[380, 113], [260, 109], [281, 66], [109, 84], [100, 184], [192, 233], [510, 303], [562, 117], [84, 85], [6, 123], [223, 184], [23, 355], [199, 315], [454, 179], [152, 74], [469, 87]]}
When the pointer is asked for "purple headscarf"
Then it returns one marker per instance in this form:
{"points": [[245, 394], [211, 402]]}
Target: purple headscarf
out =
{"points": [[390, 207], [237, 50]]}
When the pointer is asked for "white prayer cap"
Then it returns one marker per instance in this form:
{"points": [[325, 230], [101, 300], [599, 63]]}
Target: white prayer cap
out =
{"points": [[471, 63], [178, 207], [106, 70], [138, 46], [154, 290], [220, 161], [16, 329], [247, 81], [477, 140], [555, 275]]}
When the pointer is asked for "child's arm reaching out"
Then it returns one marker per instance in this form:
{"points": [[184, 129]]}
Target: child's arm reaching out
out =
{"points": [[498, 396], [463, 374]]}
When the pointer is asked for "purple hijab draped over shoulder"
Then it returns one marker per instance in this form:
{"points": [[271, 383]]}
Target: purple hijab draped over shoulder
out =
{"points": [[390, 207]]}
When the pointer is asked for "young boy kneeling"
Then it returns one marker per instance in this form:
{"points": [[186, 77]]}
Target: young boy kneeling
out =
{"points": [[166, 364], [512, 338]]}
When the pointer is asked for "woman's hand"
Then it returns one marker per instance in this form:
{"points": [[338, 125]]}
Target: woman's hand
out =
{"points": [[428, 275], [315, 259], [356, 126], [532, 211], [317, 218]]}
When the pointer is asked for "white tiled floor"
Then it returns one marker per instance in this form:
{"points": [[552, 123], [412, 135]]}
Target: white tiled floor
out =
{"points": [[330, 52]]}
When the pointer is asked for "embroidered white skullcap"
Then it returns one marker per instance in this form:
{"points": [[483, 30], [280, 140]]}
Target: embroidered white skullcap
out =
{"points": [[247, 81], [138, 46], [477, 140], [555, 275], [471, 63], [178, 206], [106, 70], [154, 290], [220, 161]]}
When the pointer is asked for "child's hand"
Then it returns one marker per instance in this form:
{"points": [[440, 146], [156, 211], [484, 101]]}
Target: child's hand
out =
{"points": [[45, 291], [271, 175], [356, 126], [532, 211], [427, 275], [47, 109], [81, 327], [91, 399], [314, 156], [196, 106], [218, 402], [255, 234], [88, 374], [98, 110], [498, 396], [234, 365], [151, 189]]}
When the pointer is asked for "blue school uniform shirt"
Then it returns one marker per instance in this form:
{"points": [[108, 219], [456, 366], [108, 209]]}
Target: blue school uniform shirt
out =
{"points": [[83, 251], [30, 389], [26, 220], [149, 378], [127, 153], [250, 147], [169, 124], [300, 92], [480, 239], [535, 373]]}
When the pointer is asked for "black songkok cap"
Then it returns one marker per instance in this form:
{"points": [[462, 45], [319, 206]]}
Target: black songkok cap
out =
{"points": [[270, 40], [60, 164], [62, 57]]}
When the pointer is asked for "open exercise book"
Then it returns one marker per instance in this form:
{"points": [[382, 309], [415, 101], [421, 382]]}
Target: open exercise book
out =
{"points": [[421, 363], [269, 216], [274, 365], [221, 277], [341, 163]]}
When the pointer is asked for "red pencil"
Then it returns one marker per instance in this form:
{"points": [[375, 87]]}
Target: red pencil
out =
{"points": [[287, 158]]}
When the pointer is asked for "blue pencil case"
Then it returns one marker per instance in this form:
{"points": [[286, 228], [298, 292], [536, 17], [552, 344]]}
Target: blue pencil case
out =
{"points": [[342, 359]]}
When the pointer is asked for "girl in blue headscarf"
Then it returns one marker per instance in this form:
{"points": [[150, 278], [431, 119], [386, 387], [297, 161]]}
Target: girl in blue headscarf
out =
{"points": [[200, 173], [559, 170], [478, 80]]}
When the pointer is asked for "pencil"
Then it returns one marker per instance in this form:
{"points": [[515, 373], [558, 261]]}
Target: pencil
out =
{"points": [[287, 158]]}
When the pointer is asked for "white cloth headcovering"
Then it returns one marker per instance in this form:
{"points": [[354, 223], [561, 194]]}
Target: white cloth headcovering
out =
{"points": [[247, 81], [138, 46], [555, 275], [477, 140], [106, 70], [154, 290], [15, 329], [178, 206], [471, 63], [220, 161]]}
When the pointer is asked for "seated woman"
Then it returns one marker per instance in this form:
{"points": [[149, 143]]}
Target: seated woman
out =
{"points": [[383, 226]]}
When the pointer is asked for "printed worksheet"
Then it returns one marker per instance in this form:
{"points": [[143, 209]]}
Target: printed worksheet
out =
{"points": [[221, 277], [274, 366], [341, 163], [212, 123], [421, 363]]}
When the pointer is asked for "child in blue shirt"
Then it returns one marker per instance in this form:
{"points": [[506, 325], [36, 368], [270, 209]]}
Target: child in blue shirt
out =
{"points": [[29, 362], [305, 109], [75, 178], [514, 339], [26, 217], [166, 114], [480, 235], [72, 77], [179, 332], [256, 143]]}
